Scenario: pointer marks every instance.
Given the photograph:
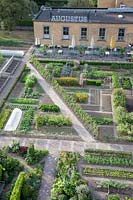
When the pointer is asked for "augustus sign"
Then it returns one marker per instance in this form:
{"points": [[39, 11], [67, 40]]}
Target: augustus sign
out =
{"points": [[69, 19]]}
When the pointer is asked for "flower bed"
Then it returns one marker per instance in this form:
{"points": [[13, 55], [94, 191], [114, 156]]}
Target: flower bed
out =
{"points": [[23, 101], [4, 116], [103, 120], [102, 172], [51, 120], [22, 107], [81, 97], [49, 108]]}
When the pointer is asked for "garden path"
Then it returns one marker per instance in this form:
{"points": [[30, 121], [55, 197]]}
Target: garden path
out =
{"points": [[47, 177], [81, 130]]}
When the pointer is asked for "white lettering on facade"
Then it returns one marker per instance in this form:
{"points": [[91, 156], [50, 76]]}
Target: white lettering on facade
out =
{"points": [[69, 19]]}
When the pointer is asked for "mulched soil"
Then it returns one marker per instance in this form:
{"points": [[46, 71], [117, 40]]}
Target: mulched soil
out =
{"points": [[106, 132], [17, 91], [100, 114], [46, 100], [106, 103]]}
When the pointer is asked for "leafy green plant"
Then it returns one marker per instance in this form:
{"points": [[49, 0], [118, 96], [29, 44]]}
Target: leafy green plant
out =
{"points": [[113, 197], [51, 120], [126, 84], [34, 156], [113, 184], [23, 101], [115, 80], [4, 116], [93, 82], [27, 120], [30, 81], [49, 108]]}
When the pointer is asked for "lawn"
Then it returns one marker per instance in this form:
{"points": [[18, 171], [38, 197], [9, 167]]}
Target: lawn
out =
{"points": [[16, 38]]}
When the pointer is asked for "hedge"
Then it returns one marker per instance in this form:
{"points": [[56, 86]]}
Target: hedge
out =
{"points": [[115, 80], [16, 192], [4, 116], [81, 97], [68, 81], [93, 82]]}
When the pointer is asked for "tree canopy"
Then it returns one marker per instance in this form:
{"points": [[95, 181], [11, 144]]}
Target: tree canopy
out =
{"points": [[12, 10], [82, 3]]}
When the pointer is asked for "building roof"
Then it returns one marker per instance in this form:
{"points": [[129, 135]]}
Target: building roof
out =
{"points": [[87, 15]]}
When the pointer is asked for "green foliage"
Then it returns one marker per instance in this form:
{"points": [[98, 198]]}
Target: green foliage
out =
{"points": [[23, 101], [81, 97], [16, 192], [115, 80], [120, 114], [103, 120], [32, 182], [1, 58], [113, 184], [4, 116], [68, 181], [68, 81], [30, 81], [22, 107], [51, 120], [119, 98], [66, 70], [57, 71], [82, 3], [113, 197], [102, 172], [49, 108], [93, 82], [34, 156], [126, 83], [27, 120], [1, 172]]}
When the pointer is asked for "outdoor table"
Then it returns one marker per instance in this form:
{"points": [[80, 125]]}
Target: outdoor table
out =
{"points": [[60, 51], [107, 53], [50, 51]]}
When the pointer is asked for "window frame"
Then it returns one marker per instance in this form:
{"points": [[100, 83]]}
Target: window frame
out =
{"points": [[121, 38], [100, 37], [83, 38], [46, 36], [65, 37]]}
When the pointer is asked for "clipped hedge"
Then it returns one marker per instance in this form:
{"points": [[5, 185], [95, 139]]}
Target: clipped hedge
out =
{"points": [[4, 116], [119, 98], [49, 108], [93, 82], [88, 121], [115, 80], [68, 81], [16, 192], [81, 97], [23, 101]]}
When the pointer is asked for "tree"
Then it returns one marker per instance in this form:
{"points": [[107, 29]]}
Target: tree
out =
{"points": [[12, 11], [82, 3]]}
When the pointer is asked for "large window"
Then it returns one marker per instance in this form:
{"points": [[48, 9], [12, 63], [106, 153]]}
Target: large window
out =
{"points": [[83, 34], [46, 32], [121, 34], [65, 33], [102, 32]]}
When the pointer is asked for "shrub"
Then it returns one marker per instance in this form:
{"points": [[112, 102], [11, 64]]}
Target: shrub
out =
{"points": [[34, 156], [120, 115], [23, 101], [115, 80], [93, 82], [57, 71], [68, 81], [30, 81], [126, 83], [66, 70], [83, 192], [4, 116], [119, 98], [1, 172], [51, 120], [16, 192], [81, 97], [49, 108]]}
